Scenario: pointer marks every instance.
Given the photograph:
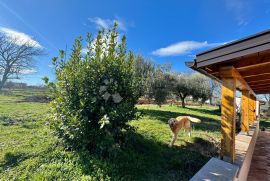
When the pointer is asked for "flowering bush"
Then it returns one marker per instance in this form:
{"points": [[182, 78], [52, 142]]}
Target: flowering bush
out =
{"points": [[95, 92]]}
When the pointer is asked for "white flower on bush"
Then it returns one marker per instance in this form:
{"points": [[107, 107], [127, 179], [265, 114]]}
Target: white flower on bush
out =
{"points": [[117, 98], [106, 96], [102, 89], [103, 121], [94, 99], [106, 81]]}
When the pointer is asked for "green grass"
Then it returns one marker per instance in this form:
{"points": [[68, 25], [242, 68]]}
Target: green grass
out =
{"points": [[29, 151], [265, 124]]}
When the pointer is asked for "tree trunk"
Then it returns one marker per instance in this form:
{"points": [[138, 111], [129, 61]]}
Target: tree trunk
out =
{"points": [[183, 101], [1, 85], [211, 101], [183, 104], [3, 81]]}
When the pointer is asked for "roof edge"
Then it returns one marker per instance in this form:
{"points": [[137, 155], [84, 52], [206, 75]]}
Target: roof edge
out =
{"points": [[235, 42]]}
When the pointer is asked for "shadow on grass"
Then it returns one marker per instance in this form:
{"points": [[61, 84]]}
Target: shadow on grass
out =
{"points": [[205, 111], [12, 159], [25, 123], [265, 123], [36, 98], [7, 121], [210, 147], [145, 159], [207, 124]]}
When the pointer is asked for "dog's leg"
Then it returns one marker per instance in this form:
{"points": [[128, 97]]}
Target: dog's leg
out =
{"points": [[188, 127], [189, 131], [174, 137]]}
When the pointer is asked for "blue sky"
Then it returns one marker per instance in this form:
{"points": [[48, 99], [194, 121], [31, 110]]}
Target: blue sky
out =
{"points": [[164, 31]]}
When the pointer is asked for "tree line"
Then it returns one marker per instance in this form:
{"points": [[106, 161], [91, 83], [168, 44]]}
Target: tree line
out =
{"points": [[159, 82]]}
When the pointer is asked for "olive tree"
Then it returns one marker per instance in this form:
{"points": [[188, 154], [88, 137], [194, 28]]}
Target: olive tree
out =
{"points": [[215, 88], [145, 70], [161, 87], [183, 86], [201, 88]]}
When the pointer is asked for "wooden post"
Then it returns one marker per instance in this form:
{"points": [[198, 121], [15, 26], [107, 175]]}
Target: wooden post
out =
{"points": [[253, 109], [250, 107], [228, 119], [255, 106], [231, 79], [245, 111]]}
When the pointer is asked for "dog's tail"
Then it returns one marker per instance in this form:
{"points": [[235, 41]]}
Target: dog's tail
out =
{"points": [[194, 120]]}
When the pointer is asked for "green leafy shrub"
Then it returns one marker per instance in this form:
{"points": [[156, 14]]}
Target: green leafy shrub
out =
{"points": [[95, 93]]}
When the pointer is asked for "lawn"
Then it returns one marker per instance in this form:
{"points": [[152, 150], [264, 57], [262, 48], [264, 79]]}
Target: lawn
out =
{"points": [[265, 124], [30, 151]]}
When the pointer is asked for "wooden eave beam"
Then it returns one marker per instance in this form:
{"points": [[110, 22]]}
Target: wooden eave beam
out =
{"points": [[263, 89], [230, 71], [263, 92], [259, 83], [256, 60], [244, 63], [256, 71], [248, 70], [259, 77], [252, 66], [260, 86]]}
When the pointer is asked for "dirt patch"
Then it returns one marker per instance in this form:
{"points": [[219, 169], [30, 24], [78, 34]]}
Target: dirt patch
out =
{"points": [[40, 99], [209, 147]]}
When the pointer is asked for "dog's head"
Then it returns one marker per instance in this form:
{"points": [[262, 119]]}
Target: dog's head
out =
{"points": [[172, 122]]}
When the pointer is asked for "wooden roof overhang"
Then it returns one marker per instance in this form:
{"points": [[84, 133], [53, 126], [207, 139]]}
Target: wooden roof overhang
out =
{"points": [[248, 59]]}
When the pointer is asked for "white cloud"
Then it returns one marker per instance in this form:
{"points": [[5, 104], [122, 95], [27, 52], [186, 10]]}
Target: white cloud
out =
{"points": [[108, 23], [28, 71], [240, 10], [183, 47], [51, 66], [20, 36]]}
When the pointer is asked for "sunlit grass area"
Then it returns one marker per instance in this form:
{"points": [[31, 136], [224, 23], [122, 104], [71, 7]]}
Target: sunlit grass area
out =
{"points": [[154, 125], [29, 149]]}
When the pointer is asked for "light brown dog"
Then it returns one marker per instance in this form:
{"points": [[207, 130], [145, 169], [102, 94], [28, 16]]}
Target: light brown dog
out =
{"points": [[181, 122]]}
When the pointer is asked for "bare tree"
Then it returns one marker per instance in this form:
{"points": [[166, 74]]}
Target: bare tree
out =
{"points": [[16, 57], [267, 98]]}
